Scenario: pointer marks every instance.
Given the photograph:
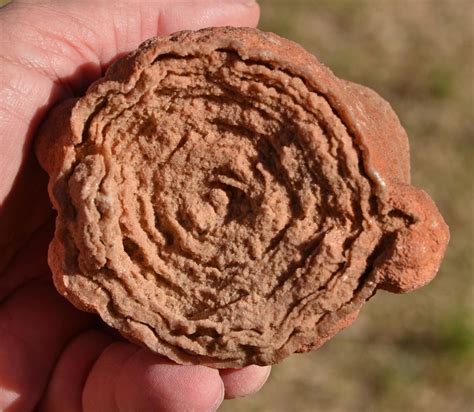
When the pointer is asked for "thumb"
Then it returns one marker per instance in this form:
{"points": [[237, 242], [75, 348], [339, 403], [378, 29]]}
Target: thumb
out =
{"points": [[56, 37]]}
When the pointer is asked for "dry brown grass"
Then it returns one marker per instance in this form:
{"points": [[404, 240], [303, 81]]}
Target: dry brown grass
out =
{"points": [[413, 352]]}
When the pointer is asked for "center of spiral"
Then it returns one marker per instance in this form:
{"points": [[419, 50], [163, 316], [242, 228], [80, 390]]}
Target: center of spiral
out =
{"points": [[218, 195]]}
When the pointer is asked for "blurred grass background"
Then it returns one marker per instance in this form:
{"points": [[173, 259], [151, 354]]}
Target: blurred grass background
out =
{"points": [[412, 352]]}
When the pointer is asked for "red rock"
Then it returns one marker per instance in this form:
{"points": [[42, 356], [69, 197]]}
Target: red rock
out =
{"points": [[225, 200]]}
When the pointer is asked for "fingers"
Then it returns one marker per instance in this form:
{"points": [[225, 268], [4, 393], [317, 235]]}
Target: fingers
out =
{"points": [[29, 263], [198, 14], [35, 324], [23, 212], [245, 381], [127, 379], [99, 390], [64, 392], [151, 382]]}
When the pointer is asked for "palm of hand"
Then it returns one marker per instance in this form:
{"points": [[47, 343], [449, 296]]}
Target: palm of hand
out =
{"points": [[52, 356]]}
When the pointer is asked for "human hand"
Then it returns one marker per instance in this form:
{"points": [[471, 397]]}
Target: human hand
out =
{"points": [[52, 356]]}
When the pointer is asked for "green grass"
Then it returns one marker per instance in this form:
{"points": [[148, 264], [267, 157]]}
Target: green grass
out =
{"points": [[412, 352]]}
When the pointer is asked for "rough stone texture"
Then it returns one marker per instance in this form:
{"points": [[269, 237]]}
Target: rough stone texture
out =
{"points": [[225, 200]]}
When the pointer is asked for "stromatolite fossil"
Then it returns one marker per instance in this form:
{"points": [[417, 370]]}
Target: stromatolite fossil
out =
{"points": [[224, 199]]}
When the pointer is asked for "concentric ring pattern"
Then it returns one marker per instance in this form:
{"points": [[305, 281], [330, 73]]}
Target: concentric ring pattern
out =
{"points": [[217, 211]]}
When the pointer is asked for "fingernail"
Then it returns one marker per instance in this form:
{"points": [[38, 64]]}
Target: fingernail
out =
{"points": [[220, 399], [264, 380], [248, 3]]}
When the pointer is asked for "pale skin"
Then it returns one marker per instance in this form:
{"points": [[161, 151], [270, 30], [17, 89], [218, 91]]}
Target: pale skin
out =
{"points": [[54, 357]]}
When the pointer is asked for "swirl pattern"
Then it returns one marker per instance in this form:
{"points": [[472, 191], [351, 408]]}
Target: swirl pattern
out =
{"points": [[217, 208]]}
